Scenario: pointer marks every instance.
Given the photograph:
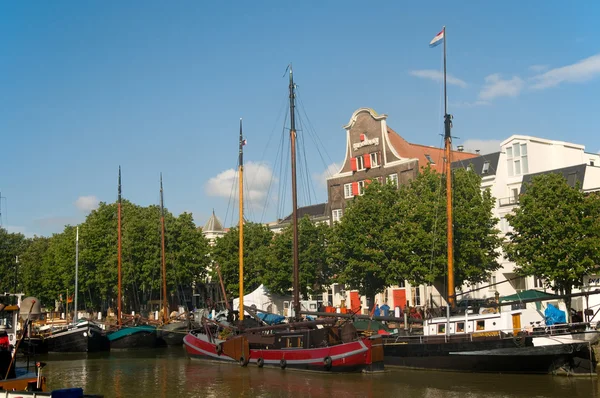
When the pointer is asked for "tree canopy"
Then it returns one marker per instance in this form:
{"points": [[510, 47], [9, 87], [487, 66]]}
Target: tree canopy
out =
{"points": [[555, 232]]}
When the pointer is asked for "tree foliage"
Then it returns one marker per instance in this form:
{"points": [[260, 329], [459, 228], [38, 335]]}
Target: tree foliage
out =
{"points": [[47, 269], [555, 232], [257, 243], [389, 235], [314, 273]]}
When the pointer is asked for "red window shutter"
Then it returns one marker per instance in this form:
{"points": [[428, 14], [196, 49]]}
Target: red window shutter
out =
{"points": [[355, 188], [367, 160], [362, 137], [353, 164]]}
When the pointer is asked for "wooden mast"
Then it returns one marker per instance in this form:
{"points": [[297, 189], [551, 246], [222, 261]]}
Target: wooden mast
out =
{"points": [[448, 172], [294, 197], [241, 224], [164, 262], [119, 321]]}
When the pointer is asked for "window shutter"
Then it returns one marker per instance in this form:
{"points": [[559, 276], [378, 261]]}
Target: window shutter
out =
{"points": [[353, 164], [367, 160], [362, 137], [355, 188]]}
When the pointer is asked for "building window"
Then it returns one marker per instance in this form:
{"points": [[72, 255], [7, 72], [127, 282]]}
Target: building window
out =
{"points": [[441, 328], [520, 284], [591, 162], [460, 327], [524, 164], [492, 285], [538, 283], [336, 215], [360, 163], [393, 178], [480, 325], [486, 167], [380, 180], [374, 159], [361, 187], [348, 191], [517, 161], [431, 162], [417, 296]]}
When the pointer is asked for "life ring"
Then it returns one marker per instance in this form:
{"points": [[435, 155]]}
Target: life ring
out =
{"points": [[327, 363], [283, 363], [260, 362], [219, 349], [243, 361]]}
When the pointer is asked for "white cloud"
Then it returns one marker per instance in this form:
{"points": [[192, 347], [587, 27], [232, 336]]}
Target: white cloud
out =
{"points": [[484, 146], [578, 72], [321, 178], [495, 86], [87, 203], [257, 179], [538, 68], [438, 76]]}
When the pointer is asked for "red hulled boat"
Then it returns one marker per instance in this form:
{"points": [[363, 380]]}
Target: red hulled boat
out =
{"points": [[302, 345]]}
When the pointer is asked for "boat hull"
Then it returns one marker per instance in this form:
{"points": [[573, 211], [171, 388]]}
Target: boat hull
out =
{"points": [[356, 356], [499, 356], [174, 332], [79, 339], [132, 337]]}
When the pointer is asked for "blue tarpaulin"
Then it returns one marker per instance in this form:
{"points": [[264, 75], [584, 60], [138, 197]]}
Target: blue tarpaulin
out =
{"points": [[270, 319], [554, 315]]}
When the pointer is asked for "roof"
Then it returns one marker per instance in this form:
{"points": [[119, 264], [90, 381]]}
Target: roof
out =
{"points": [[478, 163], [529, 294], [312, 211], [572, 174], [425, 154], [213, 224]]}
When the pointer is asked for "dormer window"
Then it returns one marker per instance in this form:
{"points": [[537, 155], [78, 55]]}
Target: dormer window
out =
{"points": [[431, 162], [486, 167]]}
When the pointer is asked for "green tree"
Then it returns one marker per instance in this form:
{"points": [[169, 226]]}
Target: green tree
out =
{"points": [[11, 246], [314, 272], [31, 268], [257, 244], [359, 251], [555, 233]]}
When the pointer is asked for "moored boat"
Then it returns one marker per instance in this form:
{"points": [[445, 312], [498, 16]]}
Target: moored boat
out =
{"points": [[126, 337], [84, 336]]}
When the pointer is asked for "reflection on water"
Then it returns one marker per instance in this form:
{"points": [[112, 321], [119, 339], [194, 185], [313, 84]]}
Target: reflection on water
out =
{"points": [[167, 372]]}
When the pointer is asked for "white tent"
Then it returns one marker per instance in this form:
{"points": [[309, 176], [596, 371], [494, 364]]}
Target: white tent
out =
{"points": [[262, 300]]}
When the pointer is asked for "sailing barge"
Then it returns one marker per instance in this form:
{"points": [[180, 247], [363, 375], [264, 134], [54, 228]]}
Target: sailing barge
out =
{"points": [[320, 345]]}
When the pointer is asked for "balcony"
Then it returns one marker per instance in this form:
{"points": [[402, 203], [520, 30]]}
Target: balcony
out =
{"points": [[510, 201]]}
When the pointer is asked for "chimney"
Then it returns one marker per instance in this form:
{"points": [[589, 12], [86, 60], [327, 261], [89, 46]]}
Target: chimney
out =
{"points": [[477, 151], [460, 148]]}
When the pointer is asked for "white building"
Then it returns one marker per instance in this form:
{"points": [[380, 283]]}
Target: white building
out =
{"points": [[505, 172]]}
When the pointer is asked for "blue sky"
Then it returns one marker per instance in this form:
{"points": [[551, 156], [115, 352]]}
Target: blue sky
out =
{"points": [[155, 87]]}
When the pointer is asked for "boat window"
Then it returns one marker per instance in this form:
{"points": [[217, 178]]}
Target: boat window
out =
{"points": [[441, 328], [480, 325], [294, 342], [460, 327]]}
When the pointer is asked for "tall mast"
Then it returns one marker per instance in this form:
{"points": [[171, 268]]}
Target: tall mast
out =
{"points": [[241, 224], [76, 272], [162, 246], [448, 171], [294, 196], [119, 322]]}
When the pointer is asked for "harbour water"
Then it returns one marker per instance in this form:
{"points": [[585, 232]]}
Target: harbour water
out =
{"points": [[169, 373]]}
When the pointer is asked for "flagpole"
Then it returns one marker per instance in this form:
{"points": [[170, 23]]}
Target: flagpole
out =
{"points": [[445, 95], [448, 172]]}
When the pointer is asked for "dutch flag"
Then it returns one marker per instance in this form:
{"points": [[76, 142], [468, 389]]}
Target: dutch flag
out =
{"points": [[437, 40]]}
